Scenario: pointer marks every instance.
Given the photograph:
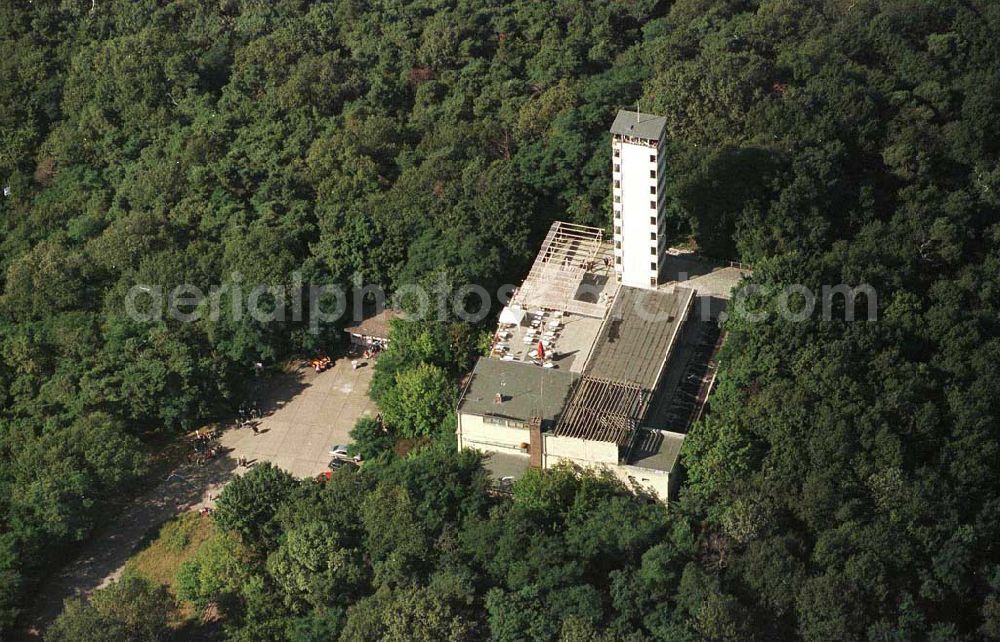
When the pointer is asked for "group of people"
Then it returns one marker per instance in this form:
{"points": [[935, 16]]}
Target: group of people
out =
{"points": [[370, 352], [586, 266], [248, 414], [373, 349], [204, 448]]}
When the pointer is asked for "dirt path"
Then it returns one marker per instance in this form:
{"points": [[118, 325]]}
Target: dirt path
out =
{"points": [[105, 554], [305, 413]]}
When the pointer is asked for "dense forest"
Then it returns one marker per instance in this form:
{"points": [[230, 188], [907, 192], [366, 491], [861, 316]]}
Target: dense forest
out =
{"points": [[842, 487]]}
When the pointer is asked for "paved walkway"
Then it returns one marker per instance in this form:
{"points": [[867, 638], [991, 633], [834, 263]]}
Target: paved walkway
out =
{"points": [[306, 413]]}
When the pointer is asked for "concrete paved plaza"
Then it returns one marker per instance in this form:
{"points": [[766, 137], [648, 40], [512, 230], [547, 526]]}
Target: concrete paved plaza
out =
{"points": [[305, 414]]}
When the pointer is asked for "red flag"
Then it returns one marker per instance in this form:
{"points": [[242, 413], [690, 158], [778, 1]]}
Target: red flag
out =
{"points": [[541, 350]]}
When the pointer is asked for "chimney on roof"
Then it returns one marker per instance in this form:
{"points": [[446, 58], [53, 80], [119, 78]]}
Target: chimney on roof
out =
{"points": [[535, 442], [498, 398]]}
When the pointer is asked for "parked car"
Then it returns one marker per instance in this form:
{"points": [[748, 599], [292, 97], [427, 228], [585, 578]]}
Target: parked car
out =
{"points": [[337, 463], [339, 451]]}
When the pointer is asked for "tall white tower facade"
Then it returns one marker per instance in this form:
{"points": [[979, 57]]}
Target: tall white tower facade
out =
{"points": [[637, 176]]}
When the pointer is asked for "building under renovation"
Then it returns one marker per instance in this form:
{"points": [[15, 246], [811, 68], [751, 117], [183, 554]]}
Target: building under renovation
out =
{"points": [[605, 354]]}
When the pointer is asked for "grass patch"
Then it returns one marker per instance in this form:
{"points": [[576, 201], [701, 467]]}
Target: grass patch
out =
{"points": [[177, 541]]}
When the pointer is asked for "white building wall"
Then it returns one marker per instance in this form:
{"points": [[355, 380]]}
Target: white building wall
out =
{"points": [[637, 197], [658, 482], [474, 432], [655, 482], [486, 437], [579, 451]]}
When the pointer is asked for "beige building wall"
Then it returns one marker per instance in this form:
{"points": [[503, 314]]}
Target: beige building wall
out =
{"points": [[658, 482], [474, 432], [579, 451]]}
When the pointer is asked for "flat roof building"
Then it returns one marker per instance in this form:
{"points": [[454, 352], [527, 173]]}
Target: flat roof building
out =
{"points": [[521, 414], [625, 366], [635, 341], [599, 359], [506, 405], [525, 391]]}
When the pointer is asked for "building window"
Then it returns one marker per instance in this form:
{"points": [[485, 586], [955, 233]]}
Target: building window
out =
{"points": [[652, 220], [652, 158], [652, 251], [617, 152], [618, 168], [652, 173], [652, 281], [618, 260], [618, 230], [652, 205], [652, 236], [618, 245], [489, 419], [618, 199], [652, 189], [618, 184], [652, 266]]}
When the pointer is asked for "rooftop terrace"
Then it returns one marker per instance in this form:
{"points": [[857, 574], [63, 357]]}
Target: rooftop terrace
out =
{"points": [[709, 278], [566, 340]]}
